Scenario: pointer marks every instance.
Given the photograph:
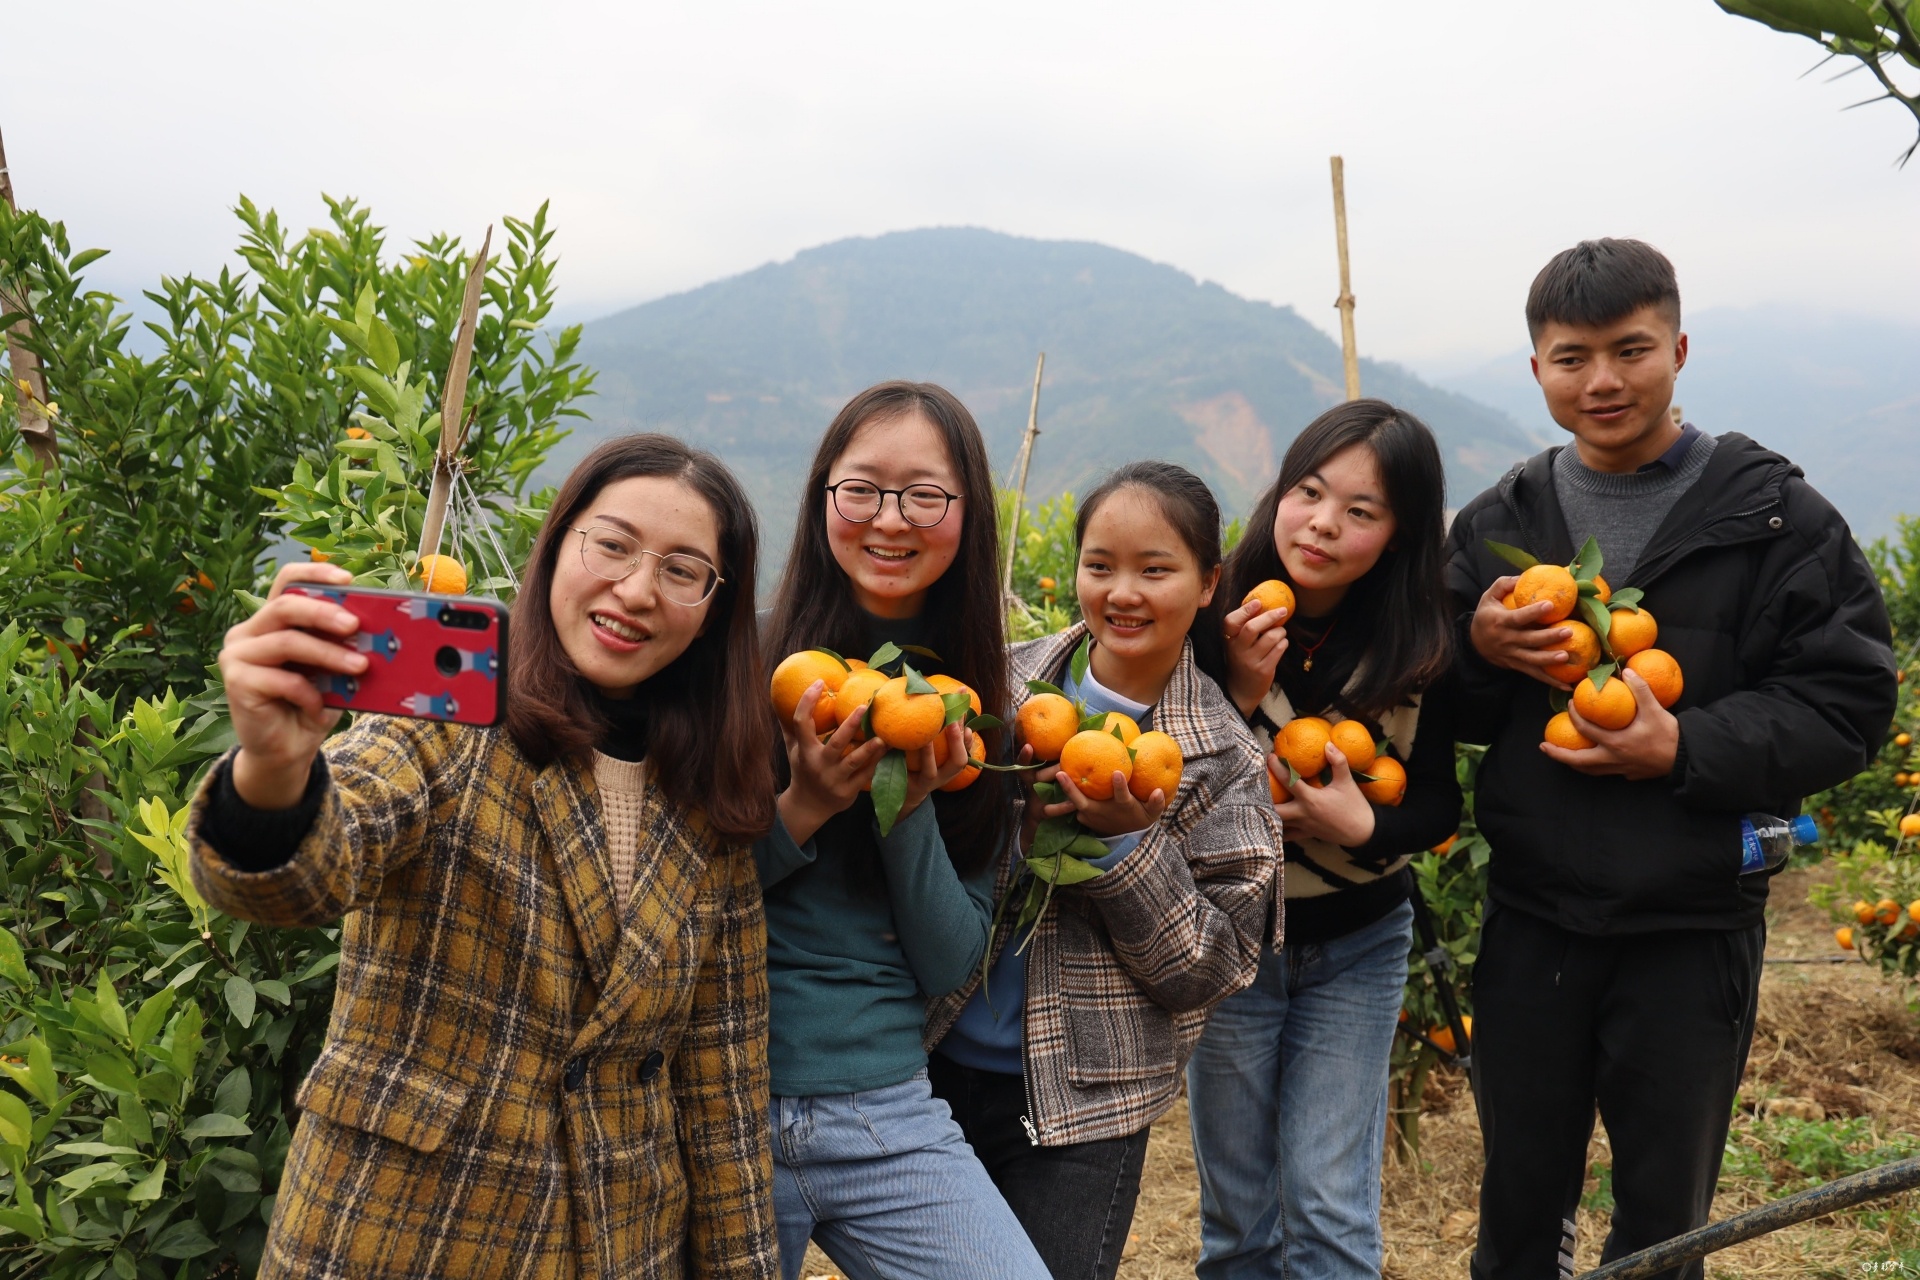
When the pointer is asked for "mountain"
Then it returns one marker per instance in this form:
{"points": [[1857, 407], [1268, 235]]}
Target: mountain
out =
{"points": [[1142, 361], [1840, 395]]}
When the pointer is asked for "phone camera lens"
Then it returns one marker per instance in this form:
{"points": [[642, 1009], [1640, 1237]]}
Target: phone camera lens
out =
{"points": [[447, 661]]}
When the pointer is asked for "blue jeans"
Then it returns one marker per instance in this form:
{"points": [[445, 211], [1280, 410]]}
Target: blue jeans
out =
{"points": [[887, 1187], [1288, 1095]]}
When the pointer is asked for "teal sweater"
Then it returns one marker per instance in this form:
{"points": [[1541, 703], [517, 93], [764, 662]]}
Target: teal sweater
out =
{"points": [[851, 962]]}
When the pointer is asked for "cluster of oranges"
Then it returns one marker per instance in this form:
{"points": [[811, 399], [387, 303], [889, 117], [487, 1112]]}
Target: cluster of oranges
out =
{"points": [[905, 718], [1901, 924], [1303, 745], [1598, 696], [1091, 749]]}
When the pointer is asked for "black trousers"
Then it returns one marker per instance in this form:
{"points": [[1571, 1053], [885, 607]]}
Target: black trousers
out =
{"points": [[1076, 1202], [1653, 1030]]}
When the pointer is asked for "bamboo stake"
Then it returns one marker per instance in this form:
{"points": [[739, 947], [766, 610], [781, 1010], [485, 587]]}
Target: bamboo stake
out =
{"points": [[29, 383], [1020, 490], [1349, 350], [453, 404]]}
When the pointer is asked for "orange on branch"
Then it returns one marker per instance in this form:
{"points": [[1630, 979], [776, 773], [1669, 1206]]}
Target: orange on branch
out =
{"points": [[1046, 721], [906, 721], [1442, 1037], [1091, 758], [1272, 594], [1551, 583], [1156, 766], [1844, 936], [1356, 744], [1611, 706], [442, 575], [796, 674], [1560, 732], [1863, 911], [1389, 785], [1629, 631], [1886, 911], [1902, 739], [1583, 654], [1661, 672]]}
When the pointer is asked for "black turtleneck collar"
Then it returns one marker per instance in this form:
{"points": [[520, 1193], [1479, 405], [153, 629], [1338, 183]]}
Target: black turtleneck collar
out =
{"points": [[627, 721]]}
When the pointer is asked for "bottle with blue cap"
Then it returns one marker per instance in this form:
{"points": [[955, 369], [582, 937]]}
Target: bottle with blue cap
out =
{"points": [[1766, 842]]}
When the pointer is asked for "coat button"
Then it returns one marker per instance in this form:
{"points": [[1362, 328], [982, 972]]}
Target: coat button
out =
{"points": [[1775, 523], [651, 1066], [576, 1073]]}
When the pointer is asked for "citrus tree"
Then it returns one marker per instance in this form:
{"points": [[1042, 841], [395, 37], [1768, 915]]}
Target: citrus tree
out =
{"points": [[1878, 35]]}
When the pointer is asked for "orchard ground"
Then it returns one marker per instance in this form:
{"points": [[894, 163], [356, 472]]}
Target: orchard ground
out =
{"points": [[1832, 1087]]}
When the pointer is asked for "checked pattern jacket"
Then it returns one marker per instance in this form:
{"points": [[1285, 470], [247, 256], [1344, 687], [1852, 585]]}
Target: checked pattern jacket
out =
{"points": [[522, 1077], [1124, 968]]}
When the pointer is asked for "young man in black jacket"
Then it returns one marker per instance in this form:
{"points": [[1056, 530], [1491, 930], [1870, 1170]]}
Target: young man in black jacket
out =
{"points": [[1620, 959]]}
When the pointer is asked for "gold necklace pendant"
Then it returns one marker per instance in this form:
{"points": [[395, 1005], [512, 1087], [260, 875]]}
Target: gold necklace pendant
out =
{"points": [[1308, 664]]}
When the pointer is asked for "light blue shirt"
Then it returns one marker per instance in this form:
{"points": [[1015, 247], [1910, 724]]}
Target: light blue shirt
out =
{"points": [[987, 1036]]}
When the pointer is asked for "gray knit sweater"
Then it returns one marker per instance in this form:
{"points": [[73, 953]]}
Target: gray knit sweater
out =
{"points": [[1624, 510]]}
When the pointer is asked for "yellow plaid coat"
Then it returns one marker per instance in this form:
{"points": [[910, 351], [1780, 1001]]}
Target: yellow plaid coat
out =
{"points": [[520, 1079]]}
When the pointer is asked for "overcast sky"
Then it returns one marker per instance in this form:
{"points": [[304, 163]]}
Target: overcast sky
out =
{"points": [[683, 143]]}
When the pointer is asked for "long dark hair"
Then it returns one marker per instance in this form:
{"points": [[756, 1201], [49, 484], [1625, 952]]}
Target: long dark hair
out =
{"points": [[1399, 604], [706, 710], [1189, 507], [964, 612]]}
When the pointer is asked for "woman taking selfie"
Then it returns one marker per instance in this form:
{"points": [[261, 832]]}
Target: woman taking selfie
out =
{"points": [[1288, 1088], [1058, 1068], [548, 1047]]}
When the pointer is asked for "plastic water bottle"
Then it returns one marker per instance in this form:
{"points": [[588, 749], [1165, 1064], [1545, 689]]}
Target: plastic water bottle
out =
{"points": [[1766, 841]]}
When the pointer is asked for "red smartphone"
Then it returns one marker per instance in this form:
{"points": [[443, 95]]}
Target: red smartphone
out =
{"points": [[432, 657]]}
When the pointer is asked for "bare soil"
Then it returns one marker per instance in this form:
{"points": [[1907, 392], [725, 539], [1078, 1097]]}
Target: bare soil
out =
{"points": [[1836, 1046]]}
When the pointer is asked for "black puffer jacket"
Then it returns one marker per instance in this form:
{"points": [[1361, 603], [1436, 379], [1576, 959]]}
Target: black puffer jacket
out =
{"points": [[1770, 608]]}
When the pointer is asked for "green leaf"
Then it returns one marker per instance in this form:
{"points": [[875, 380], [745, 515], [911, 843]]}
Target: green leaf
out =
{"points": [[1514, 556], [1052, 836], [820, 648], [26, 1222], [13, 961], [91, 1175], [112, 1015], [183, 1239], [1808, 17], [16, 1123], [274, 990], [1088, 845], [916, 683], [240, 999], [1093, 721], [382, 348], [1586, 565], [84, 259], [983, 722], [45, 1084], [135, 1117], [151, 1187], [920, 649], [152, 1015], [889, 789], [1558, 700], [113, 1073], [1049, 792], [1081, 657], [216, 1124], [886, 653], [1041, 686], [1627, 598], [1596, 616], [235, 1093], [348, 332], [1062, 869], [959, 706], [1601, 674]]}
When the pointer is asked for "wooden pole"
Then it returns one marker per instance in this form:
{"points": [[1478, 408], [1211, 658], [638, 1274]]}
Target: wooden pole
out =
{"points": [[1020, 489], [29, 382], [453, 404], [1349, 350]]}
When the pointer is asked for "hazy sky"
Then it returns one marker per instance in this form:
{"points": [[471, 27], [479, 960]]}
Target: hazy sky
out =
{"points": [[683, 143]]}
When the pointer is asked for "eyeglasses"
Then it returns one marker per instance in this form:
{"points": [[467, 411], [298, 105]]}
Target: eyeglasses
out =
{"points": [[612, 555], [921, 505]]}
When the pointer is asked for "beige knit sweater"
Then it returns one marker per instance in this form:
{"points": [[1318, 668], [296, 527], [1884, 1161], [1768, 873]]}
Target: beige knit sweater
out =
{"points": [[623, 788]]}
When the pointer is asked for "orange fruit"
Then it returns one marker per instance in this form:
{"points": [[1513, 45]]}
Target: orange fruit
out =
{"points": [[1091, 758], [1886, 911], [976, 749], [442, 574], [1128, 729], [947, 684], [1389, 785], [1303, 744], [1611, 706], [1277, 787], [1844, 937], [1551, 583], [1560, 732], [1910, 825], [1863, 911], [1445, 846], [359, 433], [1902, 739], [1156, 766], [1272, 594], [1355, 743], [1661, 672], [1629, 631], [1913, 910], [855, 693], [1603, 591], [318, 556], [1899, 779], [1443, 1036], [796, 674], [1583, 654], [1509, 601], [906, 721], [1046, 721]]}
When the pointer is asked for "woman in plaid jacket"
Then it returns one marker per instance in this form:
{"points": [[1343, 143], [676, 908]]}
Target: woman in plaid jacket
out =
{"points": [[548, 1048], [1057, 1069]]}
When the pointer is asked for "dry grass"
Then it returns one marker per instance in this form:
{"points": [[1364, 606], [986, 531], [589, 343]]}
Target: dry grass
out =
{"points": [[1833, 1037]]}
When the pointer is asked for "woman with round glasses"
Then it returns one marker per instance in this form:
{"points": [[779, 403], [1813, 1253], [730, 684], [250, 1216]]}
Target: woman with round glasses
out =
{"points": [[548, 1054], [896, 544]]}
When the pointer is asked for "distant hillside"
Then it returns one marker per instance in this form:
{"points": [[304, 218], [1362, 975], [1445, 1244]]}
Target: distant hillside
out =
{"points": [[1142, 361], [1840, 395]]}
